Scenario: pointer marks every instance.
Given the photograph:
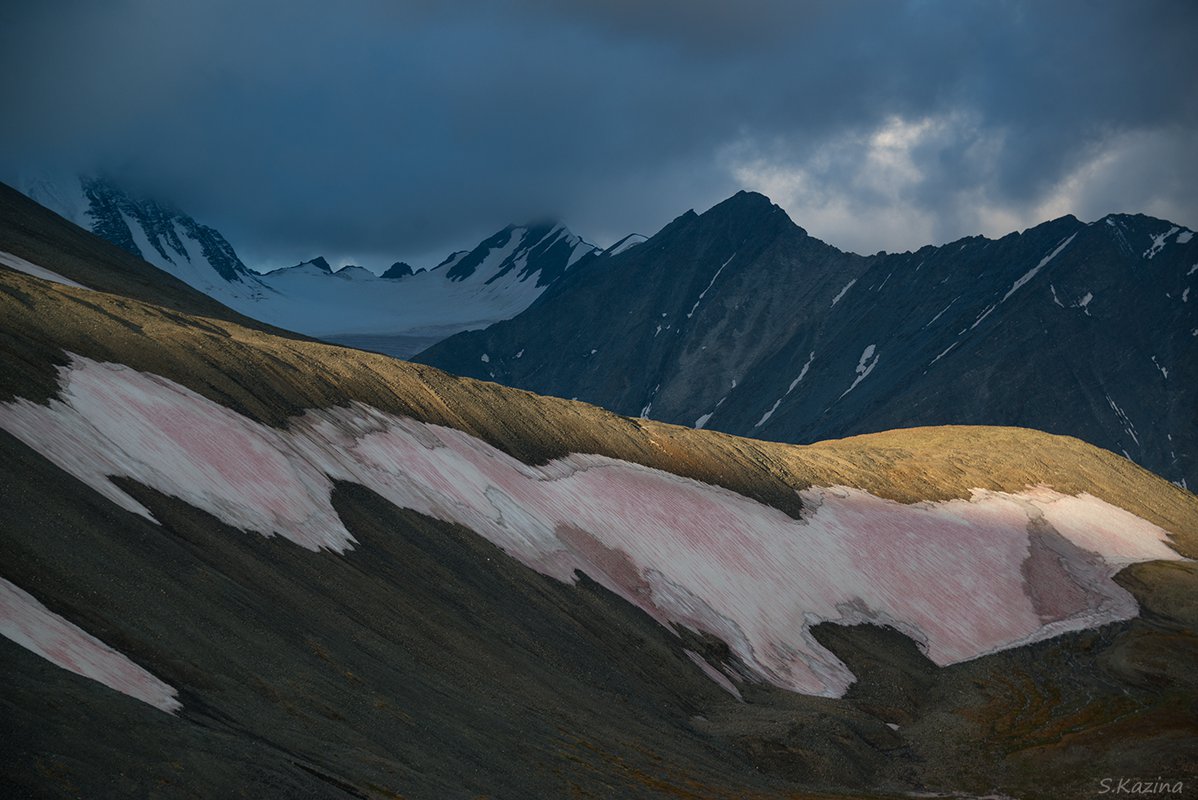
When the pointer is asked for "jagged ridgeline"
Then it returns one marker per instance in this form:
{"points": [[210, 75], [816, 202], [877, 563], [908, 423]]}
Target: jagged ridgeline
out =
{"points": [[399, 312], [739, 321], [236, 561]]}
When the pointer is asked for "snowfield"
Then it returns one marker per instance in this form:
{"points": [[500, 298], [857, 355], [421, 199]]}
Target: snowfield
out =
{"points": [[962, 578]]}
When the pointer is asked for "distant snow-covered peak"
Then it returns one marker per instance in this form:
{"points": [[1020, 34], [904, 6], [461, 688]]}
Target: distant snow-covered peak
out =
{"points": [[403, 310], [539, 252], [150, 229], [354, 272], [312, 265]]}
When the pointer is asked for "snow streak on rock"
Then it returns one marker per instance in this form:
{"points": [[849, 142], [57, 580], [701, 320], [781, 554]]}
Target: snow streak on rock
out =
{"points": [[703, 293], [1031, 273], [962, 578], [865, 365], [802, 374], [841, 293], [38, 629], [1160, 240]]}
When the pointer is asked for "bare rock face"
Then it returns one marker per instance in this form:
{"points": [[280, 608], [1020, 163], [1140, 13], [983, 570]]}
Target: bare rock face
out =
{"points": [[736, 320]]}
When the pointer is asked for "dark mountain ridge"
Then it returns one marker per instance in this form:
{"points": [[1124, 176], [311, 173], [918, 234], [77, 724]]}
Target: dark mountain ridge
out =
{"points": [[737, 320]]}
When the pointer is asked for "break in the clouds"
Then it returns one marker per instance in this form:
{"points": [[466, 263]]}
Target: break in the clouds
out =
{"points": [[373, 131]]}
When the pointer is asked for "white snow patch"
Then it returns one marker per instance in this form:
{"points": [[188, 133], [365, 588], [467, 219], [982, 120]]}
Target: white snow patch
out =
{"points": [[649, 406], [840, 294], [703, 293], [770, 413], [1159, 242], [1031, 273], [39, 630], [1164, 371], [521, 353], [802, 373], [486, 359], [1185, 295], [1124, 420], [1055, 299], [1085, 302], [1192, 270], [941, 312], [701, 421], [949, 574], [864, 366], [581, 248], [989, 310], [789, 389], [1184, 237], [628, 242], [29, 268], [944, 353], [1017, 285]]}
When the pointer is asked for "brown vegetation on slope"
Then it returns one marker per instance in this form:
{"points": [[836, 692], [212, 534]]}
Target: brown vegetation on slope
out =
{"points": [[271, 378]]}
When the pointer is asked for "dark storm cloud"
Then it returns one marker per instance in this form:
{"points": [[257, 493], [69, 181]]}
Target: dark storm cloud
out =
{"points": [[380, 130]]}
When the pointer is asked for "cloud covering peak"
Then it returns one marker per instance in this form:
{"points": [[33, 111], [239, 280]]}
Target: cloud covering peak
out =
{"points": [[383, 131]]}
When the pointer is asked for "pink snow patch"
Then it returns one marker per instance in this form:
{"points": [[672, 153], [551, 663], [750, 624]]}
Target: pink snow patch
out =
{"points": [[33, 626], [962, 578], [1120, 536], [112, 420]]}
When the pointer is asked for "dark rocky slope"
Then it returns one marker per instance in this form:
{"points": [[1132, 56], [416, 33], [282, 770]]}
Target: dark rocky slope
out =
{"points": [[736, 320]]}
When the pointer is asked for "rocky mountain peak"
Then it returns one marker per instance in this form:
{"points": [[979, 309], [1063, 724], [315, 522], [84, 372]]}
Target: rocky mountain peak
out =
{"points": [[400, 269]]}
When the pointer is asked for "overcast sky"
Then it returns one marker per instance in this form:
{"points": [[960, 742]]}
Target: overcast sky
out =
{"points": [[370, 132]]}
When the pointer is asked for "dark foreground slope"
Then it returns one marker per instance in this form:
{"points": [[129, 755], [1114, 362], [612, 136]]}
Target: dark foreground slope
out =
{"points": [[425, 661], [736, 320]]}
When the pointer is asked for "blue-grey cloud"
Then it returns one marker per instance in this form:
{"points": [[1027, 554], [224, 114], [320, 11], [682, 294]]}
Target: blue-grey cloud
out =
{"points": [[377, 130]]}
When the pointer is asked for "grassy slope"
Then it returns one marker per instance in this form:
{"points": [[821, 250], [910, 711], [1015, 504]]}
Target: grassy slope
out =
{"points": [[270, 378]]}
